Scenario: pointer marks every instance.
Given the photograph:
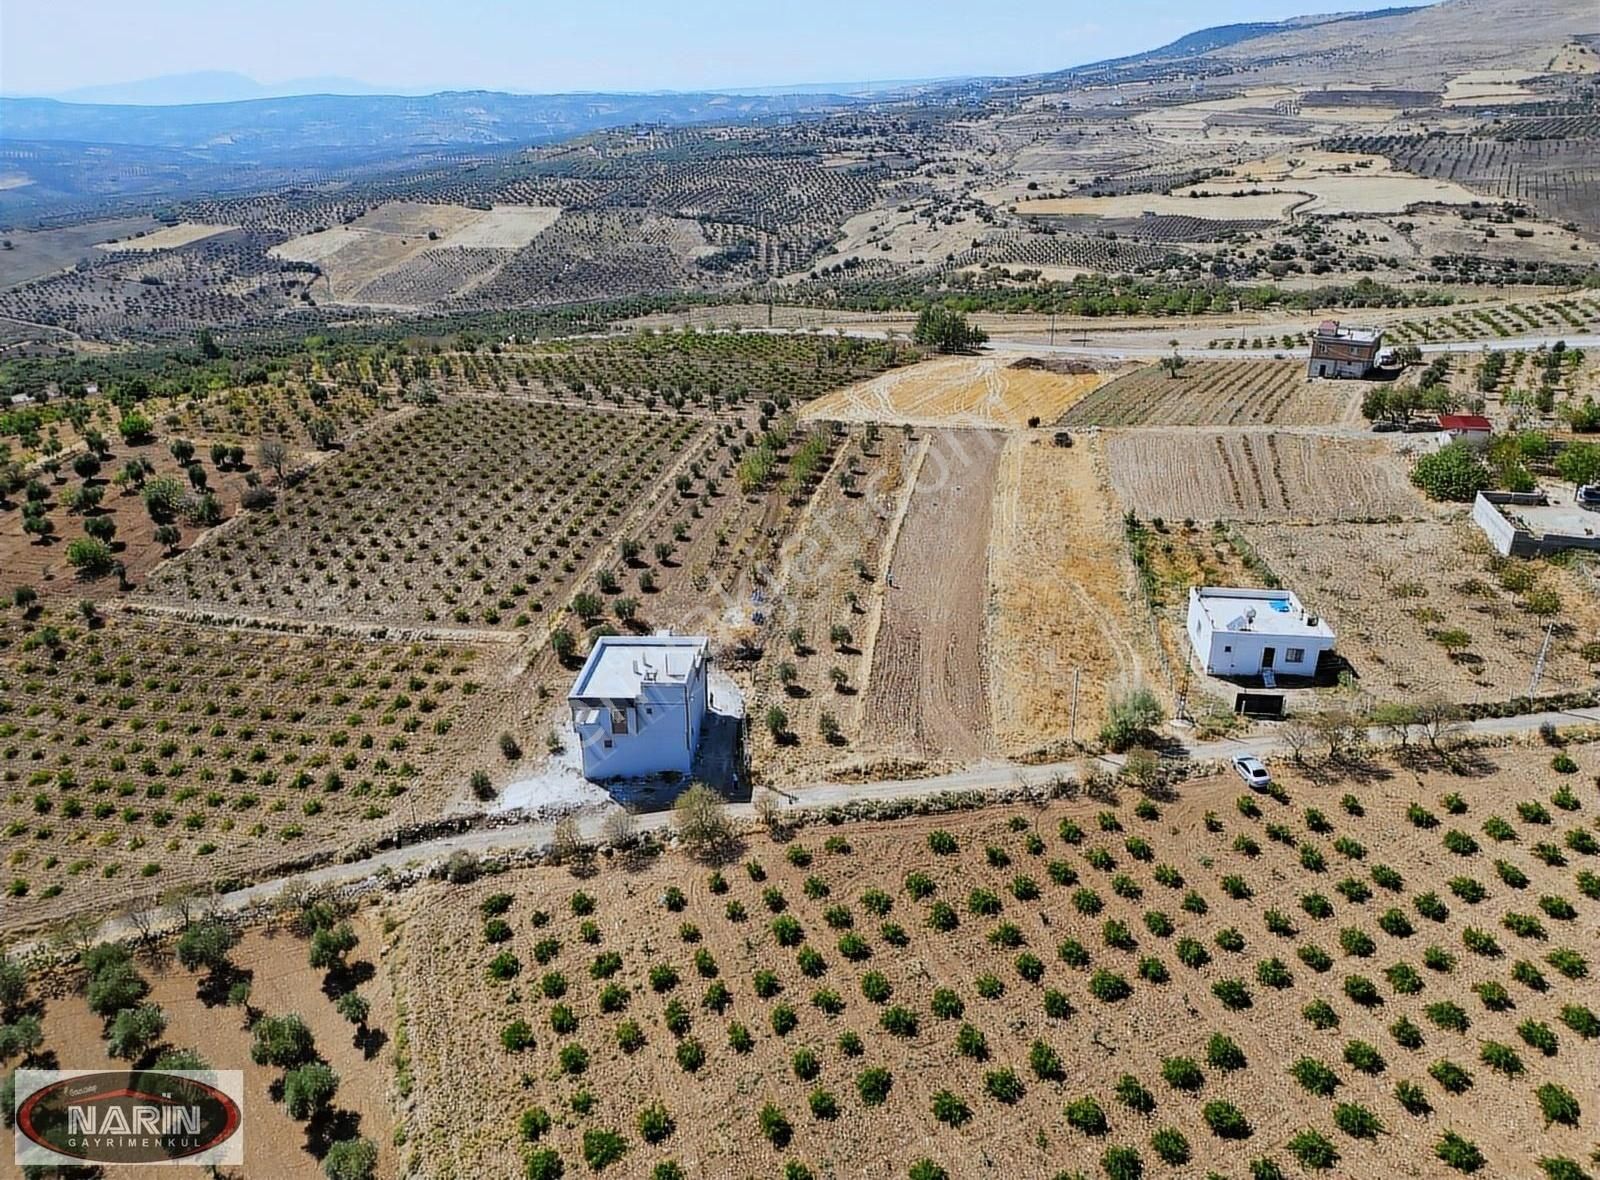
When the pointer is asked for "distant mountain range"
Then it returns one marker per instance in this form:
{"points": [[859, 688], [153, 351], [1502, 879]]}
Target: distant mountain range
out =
{"points": [[207, 86], [268, 128]]}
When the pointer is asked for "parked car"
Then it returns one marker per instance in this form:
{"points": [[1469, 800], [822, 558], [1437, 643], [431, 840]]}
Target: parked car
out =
{"points": [[1589, 496], [1249, 768]]}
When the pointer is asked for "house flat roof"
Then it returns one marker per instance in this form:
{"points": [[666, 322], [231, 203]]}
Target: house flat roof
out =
{"points": [[1333, 330], [1263, 612], [620, 665]]}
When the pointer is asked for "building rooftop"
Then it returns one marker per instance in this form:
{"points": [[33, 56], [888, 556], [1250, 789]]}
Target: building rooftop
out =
{"points": [[1464, 422], [1267, 612], [1332, 330], [619, 665]]}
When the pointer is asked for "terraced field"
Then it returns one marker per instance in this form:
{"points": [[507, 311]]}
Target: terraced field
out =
{"points": [[1219, 393], [1257, 475]]}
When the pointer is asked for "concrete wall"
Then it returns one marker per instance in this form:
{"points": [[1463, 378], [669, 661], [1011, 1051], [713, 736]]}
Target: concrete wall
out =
{"points": [[1511, 541]]}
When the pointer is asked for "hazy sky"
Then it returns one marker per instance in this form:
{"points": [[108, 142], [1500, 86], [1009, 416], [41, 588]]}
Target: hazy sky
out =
{"points": [[54, 45]]}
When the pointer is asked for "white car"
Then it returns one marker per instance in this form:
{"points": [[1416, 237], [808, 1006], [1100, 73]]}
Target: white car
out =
{"points": [[1250, 769]]}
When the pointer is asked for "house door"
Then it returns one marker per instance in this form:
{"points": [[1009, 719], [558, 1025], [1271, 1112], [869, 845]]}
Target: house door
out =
{"points": [[1268, 654]]}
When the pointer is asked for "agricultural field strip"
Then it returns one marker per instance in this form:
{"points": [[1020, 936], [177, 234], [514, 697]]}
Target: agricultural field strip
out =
{"points": [[1241, 986]]}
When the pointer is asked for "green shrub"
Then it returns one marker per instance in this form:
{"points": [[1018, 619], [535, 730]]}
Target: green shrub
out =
{"points": [[1558, 1105], [1461, 1154], [1313, 1149], [1357, 1121], [1451, 1076], [1086, 1115]]}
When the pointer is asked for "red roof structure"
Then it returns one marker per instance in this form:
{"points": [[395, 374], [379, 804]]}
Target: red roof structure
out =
{"points": [[1471, 423]]}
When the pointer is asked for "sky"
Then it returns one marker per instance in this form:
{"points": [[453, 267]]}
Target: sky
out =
{"points": [[49, 46]]}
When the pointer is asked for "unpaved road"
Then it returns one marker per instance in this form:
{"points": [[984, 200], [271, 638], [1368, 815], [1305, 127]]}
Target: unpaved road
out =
{"points": [[985, 776]]}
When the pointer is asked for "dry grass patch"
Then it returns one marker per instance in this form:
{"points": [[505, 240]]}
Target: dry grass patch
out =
{"points": [[959, 391], [1059, 596], [1421, 608]]}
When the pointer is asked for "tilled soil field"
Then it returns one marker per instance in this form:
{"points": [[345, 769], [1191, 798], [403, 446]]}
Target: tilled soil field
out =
{"points": [[1258, 476], [1219, 393], [1348, 974], [1402, 598], [1060, 600], [927, 696]]}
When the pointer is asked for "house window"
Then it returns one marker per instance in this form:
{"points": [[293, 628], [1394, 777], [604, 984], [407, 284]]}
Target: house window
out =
{"points": [[1227, 647], [607, 743], [1294, 655], [619, 721]]}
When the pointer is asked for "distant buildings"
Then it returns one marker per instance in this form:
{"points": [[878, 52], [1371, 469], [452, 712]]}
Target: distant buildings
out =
{"points": [[1338, 351], [1247, 633], [638, 705]]}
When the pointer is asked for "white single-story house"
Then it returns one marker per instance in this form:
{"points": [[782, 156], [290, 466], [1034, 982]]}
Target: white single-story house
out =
{"points": [[639, 704], [1238, 632]]}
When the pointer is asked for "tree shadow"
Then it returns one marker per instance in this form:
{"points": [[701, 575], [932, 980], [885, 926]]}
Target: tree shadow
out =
{"points": [[329, 1127], [346, 978], [370, 1042]]}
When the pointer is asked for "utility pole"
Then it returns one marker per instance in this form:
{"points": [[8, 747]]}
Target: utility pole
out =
{"points": [[1538, 664], [1072, 731]]}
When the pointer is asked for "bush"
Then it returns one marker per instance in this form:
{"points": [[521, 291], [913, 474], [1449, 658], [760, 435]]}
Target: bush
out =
{"points": [[1131, 719], [1411, 1098], [1451, 1076], [1363, 1057], [1133, 1094], [655, 1124], [1182, 1073], [602, 1147], [351, 1159], [873, 1085], [1226, 1120], [1558, 1105], [775, 1128], [824, 1105], [1461, 1154], [1109, 987], [1122, 1163], [1314, 1077], [1232, 993], [1357, 1121], [1223, 1052], [1086, 1115], [1003, 1085], [1313, 1149], [1171, 1145], [926, 1169], [950, 1109]]}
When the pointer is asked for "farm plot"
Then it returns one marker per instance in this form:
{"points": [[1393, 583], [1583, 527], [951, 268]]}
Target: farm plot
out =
{"points": [[1425, 608], [959, 391], [927, 696], [827, 586], [169, 237], [138, 756], [410, 253], [1257, 476], [1059, 597], [139, 501], [412, 522], [1357, 984], [1218, 393], [207, 1033]]}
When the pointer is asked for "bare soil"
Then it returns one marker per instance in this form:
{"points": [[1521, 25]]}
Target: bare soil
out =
{"points": [[928, 691]]}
